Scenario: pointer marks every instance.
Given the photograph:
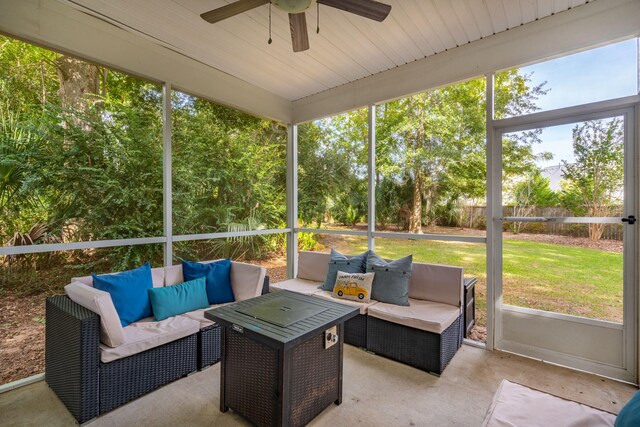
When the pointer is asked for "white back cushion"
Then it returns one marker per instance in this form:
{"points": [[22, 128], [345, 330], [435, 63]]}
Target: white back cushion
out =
{"points": [[438, 283], [173, 275], [313, 265], [157, 276], [246, 280], [111, 332]]}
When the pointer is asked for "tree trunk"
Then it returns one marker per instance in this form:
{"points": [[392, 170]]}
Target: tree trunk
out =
{"points": [[415, 216], [79, 84], [596, 231]]}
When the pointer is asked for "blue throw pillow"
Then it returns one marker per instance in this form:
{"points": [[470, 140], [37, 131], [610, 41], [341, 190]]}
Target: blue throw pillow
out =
{"points": [[173, 300], [218, 275], [629, 415], [339, 262], [128, 291], [391, 282]]}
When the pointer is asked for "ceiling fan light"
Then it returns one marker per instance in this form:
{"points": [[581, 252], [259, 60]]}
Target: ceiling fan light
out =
{"points": [[292, 6]]}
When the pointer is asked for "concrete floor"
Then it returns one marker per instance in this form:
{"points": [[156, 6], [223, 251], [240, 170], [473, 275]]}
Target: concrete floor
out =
{"points": [[377, 392]]}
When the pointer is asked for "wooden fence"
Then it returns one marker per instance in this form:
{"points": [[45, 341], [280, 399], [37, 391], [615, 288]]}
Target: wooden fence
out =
{"points": [[476, 217]]}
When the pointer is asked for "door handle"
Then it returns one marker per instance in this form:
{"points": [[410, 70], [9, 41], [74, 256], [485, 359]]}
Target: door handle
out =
{"points": [[631, 219]]}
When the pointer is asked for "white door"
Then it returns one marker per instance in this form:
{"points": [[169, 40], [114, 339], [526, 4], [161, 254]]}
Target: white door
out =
{"points": [[564, 239]]}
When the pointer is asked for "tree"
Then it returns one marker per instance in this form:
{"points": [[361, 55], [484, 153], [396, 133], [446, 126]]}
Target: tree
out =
{"points": [[593, 183], [529, 193], [435, 142], [332, 169]]}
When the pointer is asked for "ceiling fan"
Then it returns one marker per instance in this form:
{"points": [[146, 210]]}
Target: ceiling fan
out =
{"points": [[297, 20]]}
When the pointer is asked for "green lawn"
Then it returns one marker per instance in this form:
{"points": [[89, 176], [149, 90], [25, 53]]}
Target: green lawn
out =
{"points": [[565, 279]]}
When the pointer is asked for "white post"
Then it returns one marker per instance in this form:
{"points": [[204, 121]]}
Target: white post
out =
{"points": [[292, 201], [371, 171], [167, 206], [494, 212]]}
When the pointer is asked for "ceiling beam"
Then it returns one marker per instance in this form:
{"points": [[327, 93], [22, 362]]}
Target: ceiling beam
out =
{"points": [[592, 24], [57, 26]]}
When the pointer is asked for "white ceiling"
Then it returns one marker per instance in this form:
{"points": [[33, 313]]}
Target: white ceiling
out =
{"points": [[347, 49]]}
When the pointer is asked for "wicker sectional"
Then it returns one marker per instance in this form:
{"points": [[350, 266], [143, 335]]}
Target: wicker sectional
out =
{"points": [[415, 343], [424, 350], [89, 387]]}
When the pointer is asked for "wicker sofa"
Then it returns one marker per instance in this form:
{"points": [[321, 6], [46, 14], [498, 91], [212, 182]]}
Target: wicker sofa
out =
{"points": [[91, 378], [426, 334]]}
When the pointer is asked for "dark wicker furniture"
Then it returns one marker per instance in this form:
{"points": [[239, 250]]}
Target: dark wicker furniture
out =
{"points": [[469, 304], [89, 387], [424, 350], [355, 331], [280, 376]]}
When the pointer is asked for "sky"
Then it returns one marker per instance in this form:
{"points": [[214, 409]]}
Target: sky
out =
{"points": [[604, 73]]}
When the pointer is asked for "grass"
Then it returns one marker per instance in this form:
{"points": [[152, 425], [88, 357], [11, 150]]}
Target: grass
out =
{"points": [[552, 277]]}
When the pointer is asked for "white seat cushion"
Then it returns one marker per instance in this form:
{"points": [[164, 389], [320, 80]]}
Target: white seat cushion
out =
{"points": [[363, 306], [517, 405], [419, 314], [100, 302], [146, 334], [301, 286], [198, 315]]}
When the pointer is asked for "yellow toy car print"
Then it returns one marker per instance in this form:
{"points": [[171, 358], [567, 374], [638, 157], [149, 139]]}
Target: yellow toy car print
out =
{"points": [[350, 289]]}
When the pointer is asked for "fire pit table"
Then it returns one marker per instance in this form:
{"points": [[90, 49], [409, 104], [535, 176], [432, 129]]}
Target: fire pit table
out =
{"points": [[281, 357]]}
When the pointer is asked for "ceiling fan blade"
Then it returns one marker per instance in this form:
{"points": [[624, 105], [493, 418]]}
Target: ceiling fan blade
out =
{"points": [[231, 9], [299, 35], [368, 8]]}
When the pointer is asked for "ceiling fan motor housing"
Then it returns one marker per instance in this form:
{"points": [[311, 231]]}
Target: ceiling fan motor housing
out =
{"points": [[292, 6]]}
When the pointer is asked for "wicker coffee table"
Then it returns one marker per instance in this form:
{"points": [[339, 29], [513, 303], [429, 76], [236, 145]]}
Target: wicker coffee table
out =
{"points": [[276, 367]]}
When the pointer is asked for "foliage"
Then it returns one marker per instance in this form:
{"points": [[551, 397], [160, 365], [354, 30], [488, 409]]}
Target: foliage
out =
{"points": [[532, 192], [86, 164], [593, 183], [332, 169], [228, 167], [309, 242], [430, 155], [433, 145]]}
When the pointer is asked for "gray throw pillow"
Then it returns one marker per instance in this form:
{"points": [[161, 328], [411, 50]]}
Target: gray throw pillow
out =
{"points": [[391, 282], [340, 262]]}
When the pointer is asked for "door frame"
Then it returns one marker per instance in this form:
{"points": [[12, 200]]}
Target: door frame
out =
{"points": [[629, 107]]}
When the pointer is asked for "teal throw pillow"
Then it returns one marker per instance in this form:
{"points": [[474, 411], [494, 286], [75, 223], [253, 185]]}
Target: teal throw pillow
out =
{"points": [[391, 280], [340, 262], [218, 276], [178, 299], [629, 415], [128, 291]]}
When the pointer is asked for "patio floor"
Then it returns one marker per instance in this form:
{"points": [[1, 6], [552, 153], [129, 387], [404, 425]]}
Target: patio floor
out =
{"points": [[377, 392]]}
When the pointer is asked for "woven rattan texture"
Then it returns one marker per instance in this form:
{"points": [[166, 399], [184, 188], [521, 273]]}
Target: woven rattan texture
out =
{"points": [[125, 379], [72, 339], [265, 285], [451, 341], [251, 375], [355, 331], [314, 381], [424, 350], [209, 341]]}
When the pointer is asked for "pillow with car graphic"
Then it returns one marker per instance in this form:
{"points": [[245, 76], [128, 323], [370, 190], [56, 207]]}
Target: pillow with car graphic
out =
{"points": [[353, 286]]}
